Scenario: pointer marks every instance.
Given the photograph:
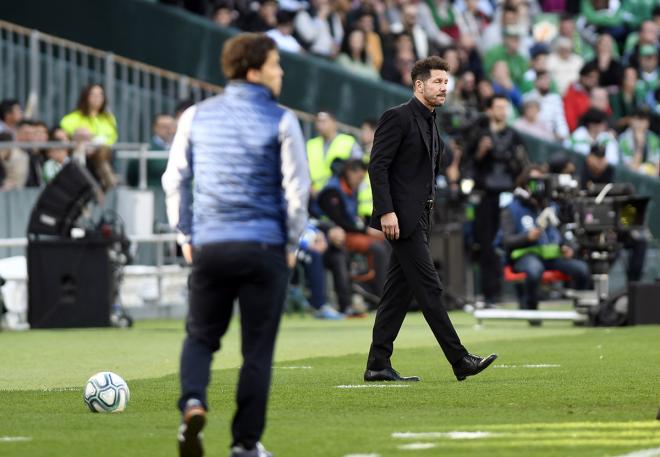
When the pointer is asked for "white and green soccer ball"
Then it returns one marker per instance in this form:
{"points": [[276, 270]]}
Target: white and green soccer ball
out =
{"points": [[106, 392]]}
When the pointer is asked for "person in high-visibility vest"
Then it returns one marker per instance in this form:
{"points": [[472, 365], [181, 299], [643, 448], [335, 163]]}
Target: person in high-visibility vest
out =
{"points": [[327, 147], [365, 199]]}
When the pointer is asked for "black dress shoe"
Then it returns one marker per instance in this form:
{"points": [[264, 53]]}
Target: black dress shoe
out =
{"points": [[387, 374], [471, 365]]}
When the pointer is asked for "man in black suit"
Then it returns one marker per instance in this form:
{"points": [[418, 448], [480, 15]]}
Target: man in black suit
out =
{"points": [[405, 161]]}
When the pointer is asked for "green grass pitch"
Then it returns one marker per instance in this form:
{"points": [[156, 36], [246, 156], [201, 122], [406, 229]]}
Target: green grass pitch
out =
{"points": [[557, 390]]}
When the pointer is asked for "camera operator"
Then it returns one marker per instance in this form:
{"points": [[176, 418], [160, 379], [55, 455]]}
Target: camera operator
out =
{"points": [[532, 240], [498, 156]]}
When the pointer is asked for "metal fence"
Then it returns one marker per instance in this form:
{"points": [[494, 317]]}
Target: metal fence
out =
{"points": [[46, 74]]}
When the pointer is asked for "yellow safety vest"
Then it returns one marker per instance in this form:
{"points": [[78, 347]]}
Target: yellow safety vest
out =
{"points": [[365, 198], [320, 163]]}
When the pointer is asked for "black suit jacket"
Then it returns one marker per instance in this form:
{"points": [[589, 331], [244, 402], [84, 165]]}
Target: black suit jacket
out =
{"points": [[400, 169]]}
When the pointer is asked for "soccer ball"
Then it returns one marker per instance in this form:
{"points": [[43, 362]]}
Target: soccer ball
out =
{"points": [[106, 392]]}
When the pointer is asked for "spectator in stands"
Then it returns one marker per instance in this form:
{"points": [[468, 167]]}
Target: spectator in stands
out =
{"points": [[468, 55], [92, 117], [498, 156], [4, 154], [398, 68], [578, 45], [472, 20], [611, 71], [374, 45], [530, 122], [411, 24], [438, 18], [484, 93], [316, 250], [465, 94], [224, 13], [328, 146], [376, 9], [353, 55], [604, 16], [39, 134], [509, 52], [320, 29], [57, 156], [552, 107], [16, 161], [596, 169], [576, 99], [503, 84], [532, 241], [505, 16], [593, 132], [539, 63], [164, 128], [339, 201], [648, 34], [599, 99], [639, 147], [648, 70], [627, 99], [10, 115], [283, 33], [564, 65], [263, 19], [367, 132]]}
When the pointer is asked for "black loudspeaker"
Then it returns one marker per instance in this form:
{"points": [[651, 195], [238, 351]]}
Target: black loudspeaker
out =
{"points": [[62, 201], [69, 283], [643, 304]]}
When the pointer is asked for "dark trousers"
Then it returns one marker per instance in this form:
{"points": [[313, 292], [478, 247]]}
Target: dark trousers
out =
{"points": [[257, 275], [533, 267], [411, 274], [486, 225], [336, 260]]}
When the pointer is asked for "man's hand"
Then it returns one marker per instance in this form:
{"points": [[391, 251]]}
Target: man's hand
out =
{"points": [[291, 260], [320, 244], [390, 224], [186, 250], [337, 236], [534, 234], [377, 234], [567, 252], [485, 145]]}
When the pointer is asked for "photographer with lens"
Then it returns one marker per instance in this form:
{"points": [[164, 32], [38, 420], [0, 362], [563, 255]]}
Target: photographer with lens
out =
{"points": [[497, 156], [530, 235]]}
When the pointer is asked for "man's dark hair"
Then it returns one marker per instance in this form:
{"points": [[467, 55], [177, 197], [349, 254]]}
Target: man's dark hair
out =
{"points": [[523, 177], [246, 51], [23, 122], [642, 112], [656, 11], [83, 100], [351, 165], [491, 100], [593, 116], [6, 107], [371, 122], [422, 69], [588, 67], [183, 105], [558, 161]]}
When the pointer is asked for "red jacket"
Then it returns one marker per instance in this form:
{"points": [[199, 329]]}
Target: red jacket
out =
{"points": [[576, 103]]}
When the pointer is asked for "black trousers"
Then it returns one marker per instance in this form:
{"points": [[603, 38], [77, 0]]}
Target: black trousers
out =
{"points": [[486, 225], [256, 274], [411, 273]]}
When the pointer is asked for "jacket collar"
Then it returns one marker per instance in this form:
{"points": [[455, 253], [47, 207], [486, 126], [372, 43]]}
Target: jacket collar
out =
{"points": [[242, 88]]}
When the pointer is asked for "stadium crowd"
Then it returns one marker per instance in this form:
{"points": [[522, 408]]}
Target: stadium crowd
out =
{"points": [[581, 74]]}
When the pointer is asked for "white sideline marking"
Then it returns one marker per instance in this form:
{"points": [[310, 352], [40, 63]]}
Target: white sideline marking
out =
{"points": [[371, 386], [540, 365], [60, 389], [450, 435], [362, 455], [295, 368], [653, 452], [14, 439], [417, 446]]}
